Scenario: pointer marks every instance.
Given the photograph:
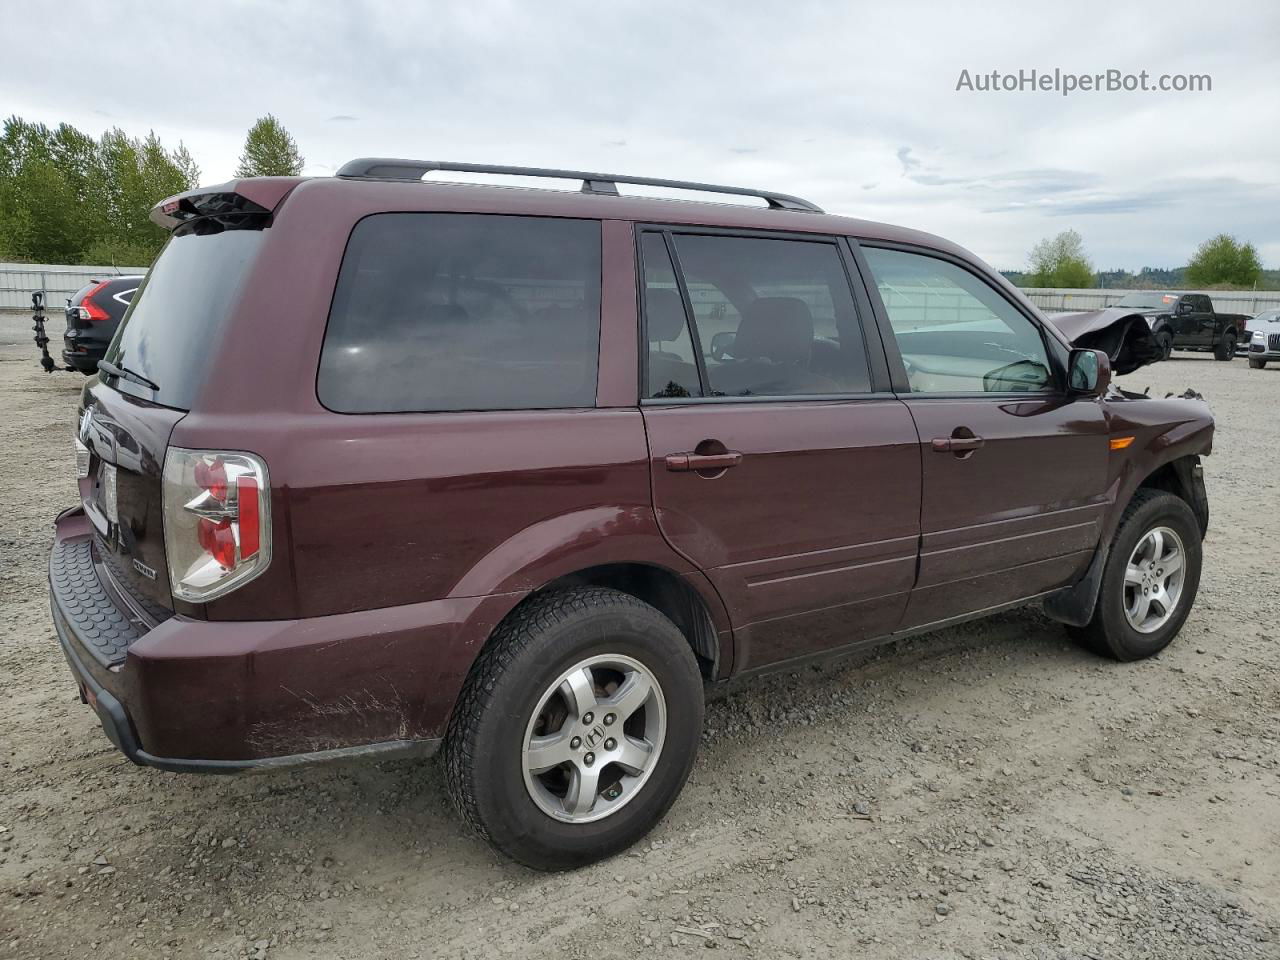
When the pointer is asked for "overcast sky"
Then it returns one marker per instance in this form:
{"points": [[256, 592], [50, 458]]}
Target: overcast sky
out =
{"points": [[851, 105]]}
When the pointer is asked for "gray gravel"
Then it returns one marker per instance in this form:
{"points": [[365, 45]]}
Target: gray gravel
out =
{"points": [[987, 791]]}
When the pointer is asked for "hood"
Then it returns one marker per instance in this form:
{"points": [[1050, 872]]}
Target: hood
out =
{"points": [[1122, 332]]}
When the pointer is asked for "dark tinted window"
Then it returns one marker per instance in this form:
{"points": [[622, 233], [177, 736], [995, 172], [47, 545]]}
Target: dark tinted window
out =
{"points": [[774, 317], [178, 313], [673, 370], [438, 311], [955, 332]]}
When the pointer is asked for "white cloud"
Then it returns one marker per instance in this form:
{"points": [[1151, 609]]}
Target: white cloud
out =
{"points": [[851, 105]]}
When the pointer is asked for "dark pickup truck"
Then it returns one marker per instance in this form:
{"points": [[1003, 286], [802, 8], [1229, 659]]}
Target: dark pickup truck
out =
{"points": [[1188, 321]]}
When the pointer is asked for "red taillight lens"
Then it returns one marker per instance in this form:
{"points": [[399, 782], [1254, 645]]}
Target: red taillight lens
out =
{"points": [[218, 540], [89, 309], [217, 527], [212, 476]]}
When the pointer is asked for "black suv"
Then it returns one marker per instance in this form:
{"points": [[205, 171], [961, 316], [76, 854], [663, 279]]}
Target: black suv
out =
{"points": [[93, 313]]}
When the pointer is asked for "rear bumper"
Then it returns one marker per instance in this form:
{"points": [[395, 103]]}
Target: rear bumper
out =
{"points": [[83, 354], [205, 696]]}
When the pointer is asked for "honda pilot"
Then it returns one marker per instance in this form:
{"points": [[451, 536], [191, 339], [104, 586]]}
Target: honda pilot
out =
{"points": [[378, 465]]}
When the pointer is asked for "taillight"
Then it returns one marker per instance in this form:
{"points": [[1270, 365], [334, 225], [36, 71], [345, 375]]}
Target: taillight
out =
{"points": [[217, 521], [89, 310]]}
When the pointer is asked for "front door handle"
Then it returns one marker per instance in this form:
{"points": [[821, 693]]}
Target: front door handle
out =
{"points": [[684, 462]]}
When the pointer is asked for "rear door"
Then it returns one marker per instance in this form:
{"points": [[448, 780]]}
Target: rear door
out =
{"points": [[1014, 468], [781, 464], [1186, 323], [1207, 320]]}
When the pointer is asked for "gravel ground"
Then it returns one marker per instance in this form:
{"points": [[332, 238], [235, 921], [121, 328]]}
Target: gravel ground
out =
{"points": [[986, 791]]}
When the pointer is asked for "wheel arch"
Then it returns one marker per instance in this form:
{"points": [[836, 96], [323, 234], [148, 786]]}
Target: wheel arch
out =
{"points": [[1181, 476]]}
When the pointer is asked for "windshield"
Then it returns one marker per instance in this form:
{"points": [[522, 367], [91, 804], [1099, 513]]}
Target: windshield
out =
{"points": [[177, 316], [1148, 301]]}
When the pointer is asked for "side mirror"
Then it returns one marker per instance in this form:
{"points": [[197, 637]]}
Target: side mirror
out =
{"points": [[1184, 307], [1089, 372]]}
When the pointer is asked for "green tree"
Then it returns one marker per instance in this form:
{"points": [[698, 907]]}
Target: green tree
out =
{"points": [[1224, 261], [269, 151], [68, 198], [1060, 262]]}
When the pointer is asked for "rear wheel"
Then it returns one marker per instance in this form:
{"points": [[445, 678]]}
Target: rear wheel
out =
{"points": [[1255, 364], [576, 729], [1150, 581], [1226, 348]]}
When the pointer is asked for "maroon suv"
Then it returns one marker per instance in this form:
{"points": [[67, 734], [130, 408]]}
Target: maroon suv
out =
{"points": [[376, 465]]}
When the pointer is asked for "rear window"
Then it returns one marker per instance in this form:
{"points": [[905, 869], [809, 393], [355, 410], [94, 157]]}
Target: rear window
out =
{"points": [[174, 320], [436, 311]]}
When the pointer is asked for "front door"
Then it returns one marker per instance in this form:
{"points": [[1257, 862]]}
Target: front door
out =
{"points": [[777, 466], [1015, 468]]}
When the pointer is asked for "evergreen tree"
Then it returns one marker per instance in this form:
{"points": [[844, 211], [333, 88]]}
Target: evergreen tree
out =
{"points": [[269, 151]]}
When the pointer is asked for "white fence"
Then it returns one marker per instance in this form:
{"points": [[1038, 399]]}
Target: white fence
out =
{"points": [[1248, 302], [19, 280]]}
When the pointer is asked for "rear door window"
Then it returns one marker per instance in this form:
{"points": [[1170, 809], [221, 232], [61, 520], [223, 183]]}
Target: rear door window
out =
{"points": [[774, 317], [439, 311]]}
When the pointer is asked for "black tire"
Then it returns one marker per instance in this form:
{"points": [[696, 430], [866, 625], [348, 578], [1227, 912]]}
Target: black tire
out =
{"points": [[541, 639], [1225, 349], [1165, 341], [1255, 364], [1109, 632]]}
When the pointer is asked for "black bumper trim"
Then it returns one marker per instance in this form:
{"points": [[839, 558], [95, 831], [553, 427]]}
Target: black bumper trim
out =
{"points": [[116, 725]]}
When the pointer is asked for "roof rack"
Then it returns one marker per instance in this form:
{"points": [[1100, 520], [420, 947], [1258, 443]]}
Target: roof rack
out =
{"points": [[374, 168]]}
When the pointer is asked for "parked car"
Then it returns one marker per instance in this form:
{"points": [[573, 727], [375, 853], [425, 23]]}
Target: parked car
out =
{"points": [[376, 466], [1264, 339], [93, 313], [1187, 321]]}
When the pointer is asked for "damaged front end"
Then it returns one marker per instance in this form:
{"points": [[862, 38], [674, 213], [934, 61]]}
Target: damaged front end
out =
{"points": [[1123, 335]]}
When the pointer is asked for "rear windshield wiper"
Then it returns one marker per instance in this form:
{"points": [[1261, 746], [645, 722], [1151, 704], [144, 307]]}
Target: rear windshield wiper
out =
{"points": [[112, 370]]}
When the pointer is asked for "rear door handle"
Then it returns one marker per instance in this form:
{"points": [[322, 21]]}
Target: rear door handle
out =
{"points": [[684, 462], [957, 444]]}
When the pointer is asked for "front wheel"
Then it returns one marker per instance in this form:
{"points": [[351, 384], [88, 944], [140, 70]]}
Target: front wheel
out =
{"points": [[1150, 580], [1255, 364], [1226, 348], [576, 729], [1165, 342]]}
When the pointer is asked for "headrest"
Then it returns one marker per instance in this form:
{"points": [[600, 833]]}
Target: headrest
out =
{"points": [[665, 313], [775, 328]]}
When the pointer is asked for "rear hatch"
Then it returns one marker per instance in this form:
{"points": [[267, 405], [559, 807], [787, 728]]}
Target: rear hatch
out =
{"points": [[161, 352]]}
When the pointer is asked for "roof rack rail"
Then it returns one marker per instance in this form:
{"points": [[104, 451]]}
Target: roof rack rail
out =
{"points": [[374, 168]]}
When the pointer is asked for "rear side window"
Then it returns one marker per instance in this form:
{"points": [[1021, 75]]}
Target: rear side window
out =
{"points": [[179, 313], [438, 311], [773, 317]]}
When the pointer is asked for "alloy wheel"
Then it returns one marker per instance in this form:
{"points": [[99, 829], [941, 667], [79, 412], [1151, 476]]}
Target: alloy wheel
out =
{"points": [[1153, 579], [594, 738]]}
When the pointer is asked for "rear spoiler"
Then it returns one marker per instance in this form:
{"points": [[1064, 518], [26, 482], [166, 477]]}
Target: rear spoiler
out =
{"points": [[234, 199]]}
